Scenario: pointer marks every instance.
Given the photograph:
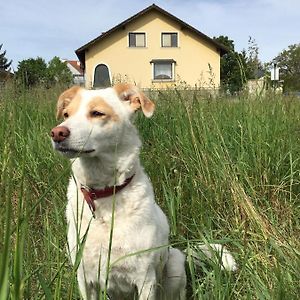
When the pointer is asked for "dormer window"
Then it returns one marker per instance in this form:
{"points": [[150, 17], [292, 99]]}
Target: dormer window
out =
{"points": [[137, 39], [169, 39]]}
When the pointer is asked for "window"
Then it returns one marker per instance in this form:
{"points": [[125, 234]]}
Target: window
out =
{"points": [[101, 77], [169, 39], [163, 69], [137, 39]]}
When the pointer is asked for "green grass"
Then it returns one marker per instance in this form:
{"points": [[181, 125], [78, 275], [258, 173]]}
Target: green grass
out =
{"points": [[223, 170]]}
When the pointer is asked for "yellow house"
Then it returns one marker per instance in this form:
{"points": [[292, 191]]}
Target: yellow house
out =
{"points": [[153, 49]]}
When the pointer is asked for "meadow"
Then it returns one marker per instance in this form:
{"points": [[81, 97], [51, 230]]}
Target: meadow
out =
{"points": [[225, 170]]}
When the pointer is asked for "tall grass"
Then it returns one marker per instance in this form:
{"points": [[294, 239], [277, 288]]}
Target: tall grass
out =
{"points": [[223, 170]]}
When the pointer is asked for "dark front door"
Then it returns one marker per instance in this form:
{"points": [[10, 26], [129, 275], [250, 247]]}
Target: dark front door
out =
{"points": [[101, 77]]}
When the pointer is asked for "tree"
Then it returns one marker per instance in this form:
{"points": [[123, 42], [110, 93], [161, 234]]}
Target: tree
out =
{"points": [[254, 67], [58, 72], [289, 63], [4, 63], [32, 71], [35, 71], [233, 67]]}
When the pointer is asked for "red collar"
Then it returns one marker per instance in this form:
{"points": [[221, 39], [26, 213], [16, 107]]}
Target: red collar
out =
{"points": [[90, 194]]}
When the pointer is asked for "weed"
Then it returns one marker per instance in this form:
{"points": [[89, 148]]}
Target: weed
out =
{"points": [[224, 170]]}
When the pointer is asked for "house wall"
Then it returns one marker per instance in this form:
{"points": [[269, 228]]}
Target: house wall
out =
{"points": [[256, 86], [125, 63], [78, 78]]}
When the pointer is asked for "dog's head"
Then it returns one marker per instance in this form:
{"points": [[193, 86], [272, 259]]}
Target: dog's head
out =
{"points": [[97, 120]]}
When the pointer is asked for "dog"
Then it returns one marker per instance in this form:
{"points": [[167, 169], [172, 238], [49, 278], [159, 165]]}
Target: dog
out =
{"points": [[118, 237]]}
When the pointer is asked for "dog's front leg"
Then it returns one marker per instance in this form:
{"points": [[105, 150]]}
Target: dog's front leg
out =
{"points": [[147, 291], [147, 287]]}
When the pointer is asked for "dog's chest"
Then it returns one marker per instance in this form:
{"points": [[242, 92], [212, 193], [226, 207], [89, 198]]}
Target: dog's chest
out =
{"points": [[99, 243], [119, 233], [101, 250], [123, 245]]}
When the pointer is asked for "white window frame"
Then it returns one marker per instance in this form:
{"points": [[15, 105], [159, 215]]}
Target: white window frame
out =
{"points": [[162, 61], [137, 32], [168, 32], [109, 72]]}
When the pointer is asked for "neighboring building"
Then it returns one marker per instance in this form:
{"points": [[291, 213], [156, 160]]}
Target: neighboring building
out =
{"points": [[256, 86], [152, 49], [259, 84], [76, 70]]}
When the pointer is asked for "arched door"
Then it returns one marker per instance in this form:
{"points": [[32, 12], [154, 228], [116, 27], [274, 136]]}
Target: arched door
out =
{"points": [[101, 77]]}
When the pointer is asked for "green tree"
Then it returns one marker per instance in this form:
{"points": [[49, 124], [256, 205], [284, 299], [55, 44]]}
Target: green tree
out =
{"points": [[58, 72], [289, 63], [233, 67], [35, 71], [4, 63], [32, 71], [254, 67]]}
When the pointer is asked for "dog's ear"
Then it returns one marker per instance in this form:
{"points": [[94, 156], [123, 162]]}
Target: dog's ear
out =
{"points": [[136, 98], [65, 99]]}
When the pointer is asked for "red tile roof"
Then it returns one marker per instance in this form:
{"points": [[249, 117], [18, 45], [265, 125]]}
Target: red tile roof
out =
{"points": [[76, 65]]}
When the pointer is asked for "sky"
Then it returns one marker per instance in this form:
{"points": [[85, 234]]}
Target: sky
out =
{"points": [[48, 28]]}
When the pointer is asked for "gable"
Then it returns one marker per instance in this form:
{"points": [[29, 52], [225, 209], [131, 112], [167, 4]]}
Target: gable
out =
{"points": [[150, 14]]}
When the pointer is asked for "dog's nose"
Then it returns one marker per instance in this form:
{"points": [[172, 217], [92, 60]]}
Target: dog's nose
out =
{"points": [[59, 133]]}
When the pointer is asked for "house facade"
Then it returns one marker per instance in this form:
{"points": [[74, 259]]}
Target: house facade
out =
{"points": [[153, 49], [76, 70]]}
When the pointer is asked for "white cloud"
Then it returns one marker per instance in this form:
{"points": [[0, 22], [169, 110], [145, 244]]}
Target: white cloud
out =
{"points": [[272, 23], [48, 28]]}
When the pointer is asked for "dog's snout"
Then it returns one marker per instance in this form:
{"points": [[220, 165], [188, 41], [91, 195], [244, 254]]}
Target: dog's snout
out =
{"points": [[59, 133]]}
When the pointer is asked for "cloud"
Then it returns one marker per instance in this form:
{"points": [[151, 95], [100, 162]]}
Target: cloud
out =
{"points": [[272, 23], [48, 28]]}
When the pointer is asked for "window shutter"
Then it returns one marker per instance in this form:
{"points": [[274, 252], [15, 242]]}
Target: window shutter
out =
{"points": [[132, 40], [140, 40], [174, 40], [166, 40]]}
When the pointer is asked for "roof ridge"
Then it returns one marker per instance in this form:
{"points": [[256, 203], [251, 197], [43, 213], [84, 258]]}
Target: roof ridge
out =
{"points": [[80, 51]]}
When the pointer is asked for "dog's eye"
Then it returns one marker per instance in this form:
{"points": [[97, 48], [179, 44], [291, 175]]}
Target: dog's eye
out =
{"points": [[96, 113], [66, 115], [126, 97]]}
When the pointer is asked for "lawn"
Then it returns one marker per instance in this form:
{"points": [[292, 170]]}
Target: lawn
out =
{"points": [[224, 170]]}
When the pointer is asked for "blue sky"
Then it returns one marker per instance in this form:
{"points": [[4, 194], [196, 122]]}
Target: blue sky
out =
{"points": [[56, 28]]}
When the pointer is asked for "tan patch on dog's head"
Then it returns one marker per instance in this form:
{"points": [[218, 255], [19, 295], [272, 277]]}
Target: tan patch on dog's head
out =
{"points": [[72, 107], [65, 99], [129, 92], [99, 109]]}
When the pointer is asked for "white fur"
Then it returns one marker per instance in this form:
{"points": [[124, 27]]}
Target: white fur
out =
{"points": [[140, 257], [216, 252], [130, 223]]}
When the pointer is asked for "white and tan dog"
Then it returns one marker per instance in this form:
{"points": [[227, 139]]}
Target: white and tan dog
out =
{"points": [[125, 244], [116, 230]]}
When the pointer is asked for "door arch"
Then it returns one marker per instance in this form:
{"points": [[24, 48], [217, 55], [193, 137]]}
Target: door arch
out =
{"points": [[101, 76]]}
